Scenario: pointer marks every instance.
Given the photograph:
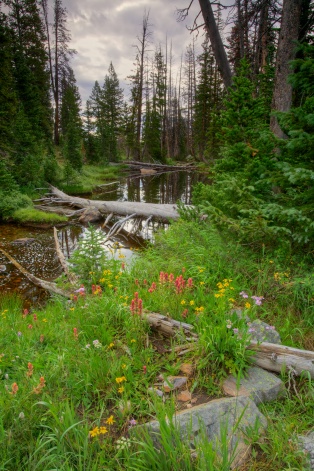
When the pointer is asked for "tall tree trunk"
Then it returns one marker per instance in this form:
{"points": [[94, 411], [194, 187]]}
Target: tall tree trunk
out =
{"points": [[289, 33], [143, 43], [216, 42]]}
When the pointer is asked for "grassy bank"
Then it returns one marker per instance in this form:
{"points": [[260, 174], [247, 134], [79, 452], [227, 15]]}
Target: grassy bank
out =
{"points": [[78, 376], [90, 177]]}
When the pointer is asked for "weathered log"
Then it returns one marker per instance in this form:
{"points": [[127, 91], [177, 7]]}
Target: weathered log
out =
{"points": [[274, 357], [47, 285], [160, 167], [270, 356], [123, 208]]}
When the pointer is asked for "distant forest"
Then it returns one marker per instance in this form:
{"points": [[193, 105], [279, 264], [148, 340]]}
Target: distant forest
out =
{"points": [[239, 105]]}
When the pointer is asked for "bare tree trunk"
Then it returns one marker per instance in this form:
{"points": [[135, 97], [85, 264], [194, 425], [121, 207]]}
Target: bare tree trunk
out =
{"points": [[143, 43], [216, 42], [289, 32]]}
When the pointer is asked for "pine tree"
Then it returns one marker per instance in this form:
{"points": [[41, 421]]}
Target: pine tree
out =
{"points": [[112, 104], [8, 99], [70, 123]]}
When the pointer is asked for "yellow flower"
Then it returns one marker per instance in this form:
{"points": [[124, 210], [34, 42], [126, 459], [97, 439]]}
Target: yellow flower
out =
{"points": [[111, 345], [94, 432], [123, 366], [217, 295], [121, 379], [103, 430], [72, 308], [231, 300], [110, 420], [133, 341], [202, 283], [192, 303], [247, 305], [201, 308], [121, 389], [182, 302], [45, 320], [271, 261]]}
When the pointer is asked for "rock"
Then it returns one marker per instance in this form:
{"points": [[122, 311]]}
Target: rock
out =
{"points": [[156, 391], [173, 383], [259, 385], [23, 241], [187, 369], [230, 417], [184, 396], [263, 332], [90, 215], [307, 444]]}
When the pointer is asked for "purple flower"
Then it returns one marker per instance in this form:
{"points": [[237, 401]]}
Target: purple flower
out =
{"points": [[19, 334], [258, 299], [80, 290], [236, 331], [132, 422], [244, 294]]}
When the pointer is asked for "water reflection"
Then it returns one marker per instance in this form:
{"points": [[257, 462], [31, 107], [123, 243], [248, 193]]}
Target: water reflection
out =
{"points": [[37, 254], [165, 188]]}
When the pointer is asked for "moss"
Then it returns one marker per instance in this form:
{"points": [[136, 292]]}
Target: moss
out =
{"points": [[34, 215]]}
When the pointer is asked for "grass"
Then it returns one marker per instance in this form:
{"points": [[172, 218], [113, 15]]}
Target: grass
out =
{"points": [[76, 375], [90, 177], [34, 215]]}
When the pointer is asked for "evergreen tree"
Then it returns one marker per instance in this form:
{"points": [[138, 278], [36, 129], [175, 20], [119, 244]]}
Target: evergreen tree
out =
{"points": [[207, 101], [8, 99], [112, 105], [70, 123], [30, 59]]}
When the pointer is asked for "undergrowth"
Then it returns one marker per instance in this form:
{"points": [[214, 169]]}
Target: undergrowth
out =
{"points": [[78, 376]]}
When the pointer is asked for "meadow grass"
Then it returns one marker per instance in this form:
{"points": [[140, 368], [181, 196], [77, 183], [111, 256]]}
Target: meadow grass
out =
{"points": [[77, 375], [34, 215], [90, 177]]}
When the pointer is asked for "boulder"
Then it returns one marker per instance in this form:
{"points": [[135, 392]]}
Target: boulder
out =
{"points": [[307, 444], [90, 215], [231, 418], [173, 383], [259, 385]]}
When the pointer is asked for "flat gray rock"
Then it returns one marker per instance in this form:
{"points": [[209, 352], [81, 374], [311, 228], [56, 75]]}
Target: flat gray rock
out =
{"points": [[307, 443], [259, 385], [231, 415]]}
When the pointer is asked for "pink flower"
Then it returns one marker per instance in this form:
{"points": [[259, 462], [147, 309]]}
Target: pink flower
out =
{"points": [[244, 294], [144, 369]]}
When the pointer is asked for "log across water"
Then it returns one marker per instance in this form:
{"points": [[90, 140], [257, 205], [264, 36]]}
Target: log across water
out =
{"points": [[123, 208]]}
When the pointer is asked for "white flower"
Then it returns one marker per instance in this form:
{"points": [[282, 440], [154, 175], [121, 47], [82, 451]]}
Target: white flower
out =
{"points": [[21, 415]]}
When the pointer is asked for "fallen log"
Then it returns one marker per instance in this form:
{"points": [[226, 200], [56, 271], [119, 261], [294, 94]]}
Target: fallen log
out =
{"points": [[47, 285], [269, 356], [278, 358], [123, 208], [160, 167]]}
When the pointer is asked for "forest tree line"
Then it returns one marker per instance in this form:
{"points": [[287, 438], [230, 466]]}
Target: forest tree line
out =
{"points": [[228, 102]]}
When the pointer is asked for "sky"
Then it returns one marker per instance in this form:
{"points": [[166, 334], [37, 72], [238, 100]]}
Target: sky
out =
{"points": [[104, 31]]}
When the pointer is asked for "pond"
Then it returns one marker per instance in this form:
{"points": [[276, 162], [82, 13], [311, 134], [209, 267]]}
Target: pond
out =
{"points": [[34, 248]]}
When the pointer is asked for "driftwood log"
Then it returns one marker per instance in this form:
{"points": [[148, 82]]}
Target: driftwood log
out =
{"points": [[47, 285], [123, 208], [270, 356]]}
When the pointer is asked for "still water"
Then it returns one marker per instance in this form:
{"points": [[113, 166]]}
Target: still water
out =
{"points": [[37, 252]]}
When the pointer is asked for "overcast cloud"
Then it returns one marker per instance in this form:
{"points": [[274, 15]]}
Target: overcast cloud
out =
{"points": [[105, 30]]}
